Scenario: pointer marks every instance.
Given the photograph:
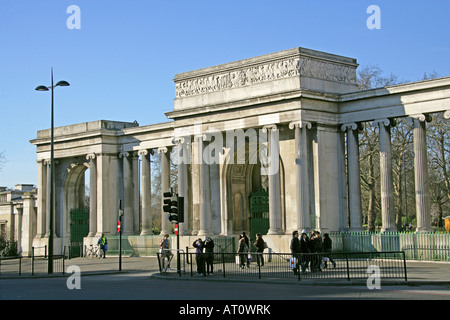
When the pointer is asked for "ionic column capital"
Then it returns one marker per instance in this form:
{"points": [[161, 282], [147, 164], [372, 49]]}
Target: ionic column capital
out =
{"points": [[385, 122], [201, 137], [270, 127], [447, 114], [300, 124], [145, 152], [162, 149], [124, 154], [178, 140], [420, 117], [352, 126], [90, 156]]}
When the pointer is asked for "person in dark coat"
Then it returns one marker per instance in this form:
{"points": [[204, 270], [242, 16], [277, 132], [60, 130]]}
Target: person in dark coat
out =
{"points": [[242, 252], [328, 247], [295, 250], [199, 256], [209, 253], [259, 244], [304, 249], [247, 243], [315, 246]]}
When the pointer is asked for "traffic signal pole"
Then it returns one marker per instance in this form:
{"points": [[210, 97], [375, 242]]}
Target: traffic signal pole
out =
{"points": [[120, 234], [178, 249], [175, 210]]}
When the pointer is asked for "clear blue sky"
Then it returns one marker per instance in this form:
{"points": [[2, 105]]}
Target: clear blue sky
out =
{"points": [[122, 61]]}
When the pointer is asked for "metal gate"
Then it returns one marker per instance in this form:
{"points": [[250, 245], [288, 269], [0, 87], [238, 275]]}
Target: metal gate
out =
{"points": [[79, 228], [259, 213]]}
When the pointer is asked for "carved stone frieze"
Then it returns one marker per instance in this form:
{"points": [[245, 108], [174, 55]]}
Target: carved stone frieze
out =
{"points": [[269, 71]]}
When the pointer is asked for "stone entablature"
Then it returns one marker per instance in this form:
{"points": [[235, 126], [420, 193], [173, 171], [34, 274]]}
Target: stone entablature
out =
{"points": [[278, 72]]}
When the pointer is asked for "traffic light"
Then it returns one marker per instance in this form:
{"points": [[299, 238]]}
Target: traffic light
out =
{"points": [[180, 209], [171, 206]]}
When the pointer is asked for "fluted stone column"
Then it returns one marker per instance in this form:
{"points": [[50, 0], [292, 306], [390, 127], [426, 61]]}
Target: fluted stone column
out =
{"points": [[421, 173], [205, 220], [128, 200], [146, 193], [92, 195], [136, 192], [26, 225], [354, 176], [42, 199], [387, 187], [273, 171], [302, 174], [165, 186]]}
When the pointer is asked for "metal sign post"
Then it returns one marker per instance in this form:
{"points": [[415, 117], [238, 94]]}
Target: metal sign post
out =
{"points": [[119, 229]]}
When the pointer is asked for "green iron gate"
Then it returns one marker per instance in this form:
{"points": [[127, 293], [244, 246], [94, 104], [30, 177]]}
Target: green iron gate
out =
{"points": [[259, 213], [79, 228]]}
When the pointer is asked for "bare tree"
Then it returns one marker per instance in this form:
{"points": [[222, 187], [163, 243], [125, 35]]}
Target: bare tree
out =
{"points": [[439, 163], [2, 159], [438, 140], [370, 77]]}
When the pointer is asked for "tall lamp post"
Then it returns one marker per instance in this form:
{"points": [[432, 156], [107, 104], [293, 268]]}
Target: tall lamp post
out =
{"points": [[52, 171]]}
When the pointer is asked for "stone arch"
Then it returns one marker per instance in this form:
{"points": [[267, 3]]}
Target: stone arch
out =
{"points": [[238, 181], [73, 193]]}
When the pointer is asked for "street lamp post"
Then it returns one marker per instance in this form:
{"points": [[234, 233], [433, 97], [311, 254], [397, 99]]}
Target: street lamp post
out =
{"points": [[52, 171]]}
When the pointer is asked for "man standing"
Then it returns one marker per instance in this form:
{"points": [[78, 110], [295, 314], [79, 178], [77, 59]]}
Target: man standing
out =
{"points": [[259, 244], [199, 257], [328, 247], [166, 254], [103, 243], [295, 250], [209, 253]]}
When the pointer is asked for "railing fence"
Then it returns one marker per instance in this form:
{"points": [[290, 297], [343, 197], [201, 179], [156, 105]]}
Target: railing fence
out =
{"points": [[343, 265], [33, 265], [423, 246]]}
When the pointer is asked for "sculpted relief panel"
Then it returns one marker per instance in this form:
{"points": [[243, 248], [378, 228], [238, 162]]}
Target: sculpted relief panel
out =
{"points": [[275, 70]]}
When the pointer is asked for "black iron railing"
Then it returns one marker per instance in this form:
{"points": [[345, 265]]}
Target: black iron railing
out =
{"points": [[33, 265], [351, 265]]}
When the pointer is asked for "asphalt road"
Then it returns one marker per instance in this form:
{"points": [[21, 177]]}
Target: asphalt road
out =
{"points": [[138, 294], [140, 286]]}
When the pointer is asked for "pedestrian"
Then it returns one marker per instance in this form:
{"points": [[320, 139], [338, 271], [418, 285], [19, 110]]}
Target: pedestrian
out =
{"points": [[314, 247], [199, 256], [259, 244], [319, 250], [164, 249], [242, 251], [328, 248], [247, 243], [295, 251], [304, 250], [209, 253], [103, 243]]}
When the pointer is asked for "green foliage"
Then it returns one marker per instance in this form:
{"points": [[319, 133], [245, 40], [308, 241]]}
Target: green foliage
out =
{"points": [[8, 248]]}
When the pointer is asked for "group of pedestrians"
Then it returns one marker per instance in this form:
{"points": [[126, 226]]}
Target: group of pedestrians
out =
{"points": [[243, 252], [306, 251], [204, 260]]}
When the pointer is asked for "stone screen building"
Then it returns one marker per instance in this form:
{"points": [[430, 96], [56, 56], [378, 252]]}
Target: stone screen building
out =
{"points": [[267, 144]]}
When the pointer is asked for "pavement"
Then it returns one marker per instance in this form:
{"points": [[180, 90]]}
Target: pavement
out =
{"points": [[418, 273]]}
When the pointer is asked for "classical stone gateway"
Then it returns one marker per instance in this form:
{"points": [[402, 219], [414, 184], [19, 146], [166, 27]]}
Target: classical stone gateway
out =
{"points": [[261, 147]]}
